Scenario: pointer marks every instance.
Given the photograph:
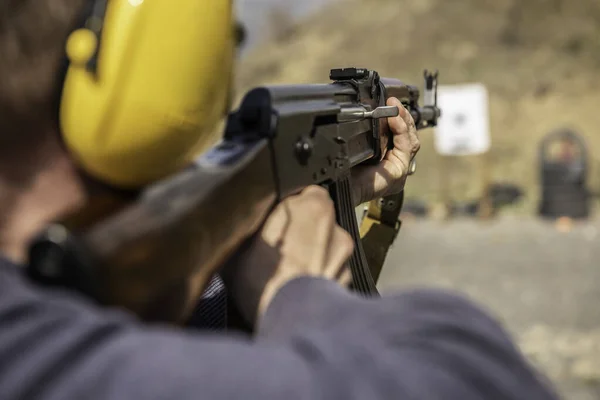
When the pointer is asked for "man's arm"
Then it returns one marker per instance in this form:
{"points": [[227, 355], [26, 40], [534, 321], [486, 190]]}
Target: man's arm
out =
{"points": [[316, 341], [419, 344]]}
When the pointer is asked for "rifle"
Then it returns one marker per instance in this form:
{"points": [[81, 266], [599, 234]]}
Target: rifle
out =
{"points": [[280, 140]]}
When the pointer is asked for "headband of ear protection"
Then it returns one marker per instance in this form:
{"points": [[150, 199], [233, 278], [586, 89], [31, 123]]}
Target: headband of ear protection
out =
{"points": [[146, 82]]}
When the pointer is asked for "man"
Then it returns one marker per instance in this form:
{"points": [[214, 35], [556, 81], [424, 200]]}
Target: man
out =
{"points": [[314, 339]]}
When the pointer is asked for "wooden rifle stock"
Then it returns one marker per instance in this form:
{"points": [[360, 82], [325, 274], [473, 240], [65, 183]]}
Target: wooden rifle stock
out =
{"points": [[186, 225]]}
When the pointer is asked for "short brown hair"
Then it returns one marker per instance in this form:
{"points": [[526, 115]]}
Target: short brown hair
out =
{"points": [[32, 42]]}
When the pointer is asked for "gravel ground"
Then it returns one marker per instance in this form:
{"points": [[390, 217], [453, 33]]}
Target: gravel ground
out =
{"points": [[543, 284]]}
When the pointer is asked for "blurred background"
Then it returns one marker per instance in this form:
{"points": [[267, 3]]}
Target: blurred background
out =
{"points": [[515, 230]]}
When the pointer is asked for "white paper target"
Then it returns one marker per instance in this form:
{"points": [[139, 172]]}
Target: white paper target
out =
{"points": [[464, 127]]}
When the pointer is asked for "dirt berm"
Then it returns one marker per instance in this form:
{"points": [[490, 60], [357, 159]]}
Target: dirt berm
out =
{"points": [[540, 60]]}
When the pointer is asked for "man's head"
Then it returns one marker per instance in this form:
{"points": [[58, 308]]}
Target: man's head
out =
{"points": [[145, 84]]}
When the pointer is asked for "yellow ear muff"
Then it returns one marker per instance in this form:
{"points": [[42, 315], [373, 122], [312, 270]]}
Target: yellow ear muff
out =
{"points": [[145, 87], [82, 45]]}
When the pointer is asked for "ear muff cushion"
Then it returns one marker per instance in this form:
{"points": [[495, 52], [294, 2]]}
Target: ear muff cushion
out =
{"points": [[161, 86]]}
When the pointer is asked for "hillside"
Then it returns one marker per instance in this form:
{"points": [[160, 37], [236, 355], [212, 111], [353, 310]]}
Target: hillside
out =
{"points": [[255, 13], [540, 60]]}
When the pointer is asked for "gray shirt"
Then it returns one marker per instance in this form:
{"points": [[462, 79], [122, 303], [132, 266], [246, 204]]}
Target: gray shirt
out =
{"points": [[317, 341]]}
